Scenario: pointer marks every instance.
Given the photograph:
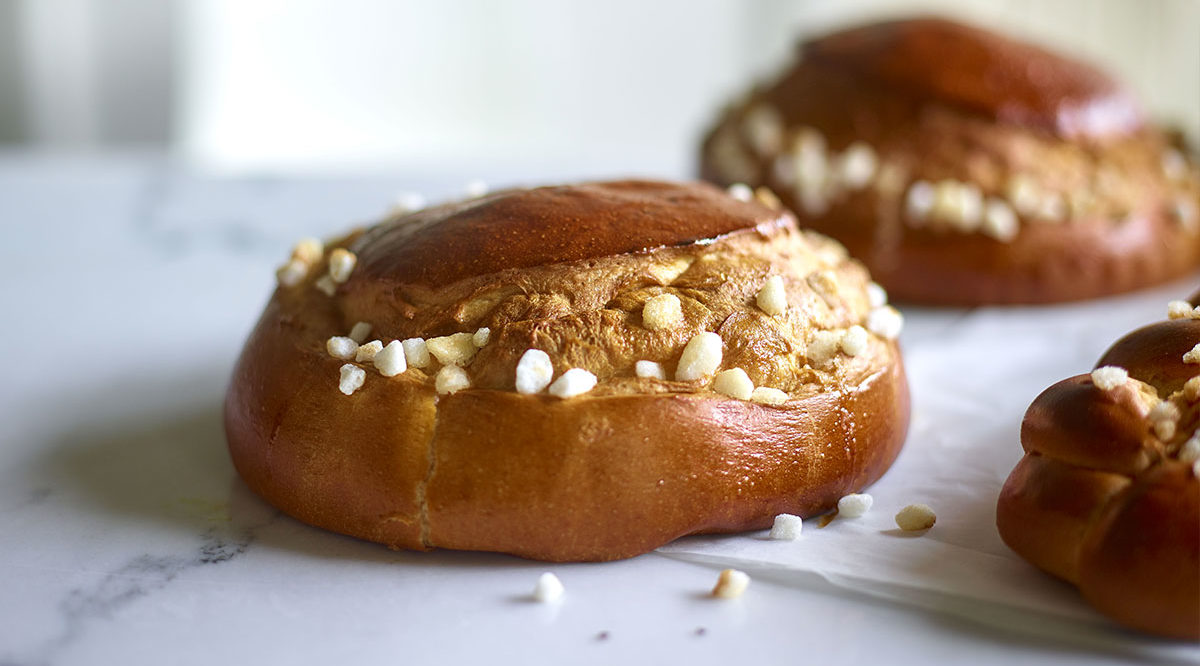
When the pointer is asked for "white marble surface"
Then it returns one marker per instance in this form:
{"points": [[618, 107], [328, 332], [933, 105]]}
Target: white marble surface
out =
{"points": [[126, 288]]}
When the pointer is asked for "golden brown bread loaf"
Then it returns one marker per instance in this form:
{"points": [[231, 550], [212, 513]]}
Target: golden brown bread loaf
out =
{"points": [[1107, 495], [966, 168], [450, 454]]}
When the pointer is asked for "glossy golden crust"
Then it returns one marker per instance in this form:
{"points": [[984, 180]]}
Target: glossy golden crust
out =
{"points": [[1107, 495], [1009, 81], [1086, 200], [612, 473]]}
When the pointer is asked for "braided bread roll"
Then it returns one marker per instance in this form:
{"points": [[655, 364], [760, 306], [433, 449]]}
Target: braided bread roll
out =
{"points": [[1107, 495]]}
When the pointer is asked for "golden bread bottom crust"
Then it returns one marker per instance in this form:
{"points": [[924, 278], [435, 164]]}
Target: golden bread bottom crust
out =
{"points": [[561, 480]]}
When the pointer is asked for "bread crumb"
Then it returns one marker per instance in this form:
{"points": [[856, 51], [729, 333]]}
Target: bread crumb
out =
{"points": [[854, 505], [534, 371], [451, 379], [649, 370], [1182, 310], [548, 588], [352, 378], [772, 297], [391, 361], [416, 352], [876, 295], [701, 357], [341, 347], [481, 337], [341, 264], [854, 341], [326, 285], [366, 353], [734, 383], [731, 584], [740, 191], [1192, 356], [360, 331], [292, 273], [455, 349], [573, 382], [786, 527], [765, 395], [1109, 377], [915, 517], [662, 312], [886, 322]]}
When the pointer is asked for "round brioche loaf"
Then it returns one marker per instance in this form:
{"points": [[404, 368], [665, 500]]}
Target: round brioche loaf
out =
{"points": [[449, 454], [964, 168], [1107, 495]]}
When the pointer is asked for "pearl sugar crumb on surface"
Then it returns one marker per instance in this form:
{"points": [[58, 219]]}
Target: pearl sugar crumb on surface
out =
{"points": [[326, 285], [786, 527], [701, 357], [1193, 355], [341, 264], [662, 312], [292, 273], [772, 297], [886, 322], [391, 361], [416, 352], [734, 383], [854, 341], [341, 347], [731, 584], [854, 505], [481, 337], [573, 382], [1182, 310], [741, 192], [534, 372], [366, 353], [649, 370], [352, 378], [454, 349], [360, 331], [915, 517], [451, 379], [1109, 377], [765, 395], [548, 588]]}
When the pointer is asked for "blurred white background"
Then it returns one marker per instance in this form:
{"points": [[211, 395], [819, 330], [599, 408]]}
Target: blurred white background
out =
{"points": [[625, 85]]}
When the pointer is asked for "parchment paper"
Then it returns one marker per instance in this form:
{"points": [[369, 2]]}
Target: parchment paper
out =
{"points": [[972, 374]]}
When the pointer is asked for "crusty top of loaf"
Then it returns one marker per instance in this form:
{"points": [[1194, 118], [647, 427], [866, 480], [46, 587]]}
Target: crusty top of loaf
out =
{"points": [[526, 228], [568, 270], [982, 72]]}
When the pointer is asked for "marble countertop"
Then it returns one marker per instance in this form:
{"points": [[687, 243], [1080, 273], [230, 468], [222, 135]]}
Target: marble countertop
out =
{"points": [[127, 286]]}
